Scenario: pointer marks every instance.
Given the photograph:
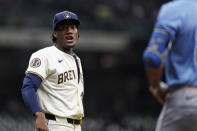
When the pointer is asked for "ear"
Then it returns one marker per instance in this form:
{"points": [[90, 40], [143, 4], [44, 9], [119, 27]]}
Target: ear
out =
{"points": [[77, 37], [55, 34]]}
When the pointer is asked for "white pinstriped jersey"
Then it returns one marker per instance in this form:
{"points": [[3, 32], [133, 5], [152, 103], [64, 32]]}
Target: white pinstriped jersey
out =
{"points": [[62, 88]]}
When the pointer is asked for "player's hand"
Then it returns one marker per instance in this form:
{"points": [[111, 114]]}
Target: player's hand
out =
{"points": [[41, 124], [159, 92]]}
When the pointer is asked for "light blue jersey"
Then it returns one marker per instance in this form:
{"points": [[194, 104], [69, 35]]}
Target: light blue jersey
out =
{"points": [[181, 60]]}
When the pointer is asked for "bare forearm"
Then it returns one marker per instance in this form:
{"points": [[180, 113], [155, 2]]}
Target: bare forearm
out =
{"points": [[154, 75]]}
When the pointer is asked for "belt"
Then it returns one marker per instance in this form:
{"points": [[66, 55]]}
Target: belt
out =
{"points": [[192, 87], [69, 120], [170, 90]]}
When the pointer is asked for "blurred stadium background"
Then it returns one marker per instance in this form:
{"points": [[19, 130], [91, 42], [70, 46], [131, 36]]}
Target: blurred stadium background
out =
{"points": [[113, 34]]}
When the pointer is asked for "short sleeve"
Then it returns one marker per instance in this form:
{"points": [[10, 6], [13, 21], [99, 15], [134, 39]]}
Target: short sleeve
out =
{"points": [[38, 65], [170, 18]]}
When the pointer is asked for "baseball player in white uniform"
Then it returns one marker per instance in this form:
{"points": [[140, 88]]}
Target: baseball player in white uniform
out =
{"points": [[53, 86]]}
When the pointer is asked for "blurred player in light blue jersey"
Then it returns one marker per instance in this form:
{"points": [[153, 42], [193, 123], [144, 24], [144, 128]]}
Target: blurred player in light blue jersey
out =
{"points": [[173, 48]]}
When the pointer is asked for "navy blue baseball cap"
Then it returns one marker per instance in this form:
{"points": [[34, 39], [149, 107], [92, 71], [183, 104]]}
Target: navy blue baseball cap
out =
{"points": [[65, 16]]}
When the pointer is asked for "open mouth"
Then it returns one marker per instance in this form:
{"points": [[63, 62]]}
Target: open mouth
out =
{"points": [[69, 38]]}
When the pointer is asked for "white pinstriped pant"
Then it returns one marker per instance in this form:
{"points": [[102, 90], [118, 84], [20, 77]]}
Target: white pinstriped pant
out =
{"points": [[61, 124]]}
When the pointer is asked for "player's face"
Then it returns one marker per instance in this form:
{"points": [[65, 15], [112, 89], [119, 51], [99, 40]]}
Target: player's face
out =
{"points": [[66, 36]]}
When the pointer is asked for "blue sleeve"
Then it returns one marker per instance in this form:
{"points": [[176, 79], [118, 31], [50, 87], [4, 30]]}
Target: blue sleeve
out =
{"points": [[31, 83], [169, 20], [155, 52]]}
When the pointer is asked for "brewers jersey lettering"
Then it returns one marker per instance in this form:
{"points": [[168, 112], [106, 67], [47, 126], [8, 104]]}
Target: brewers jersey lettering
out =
{"points": [[62, 88]]}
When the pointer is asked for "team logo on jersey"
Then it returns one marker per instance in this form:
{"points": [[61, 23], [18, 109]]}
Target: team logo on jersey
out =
{"points": [[36, 62]]}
